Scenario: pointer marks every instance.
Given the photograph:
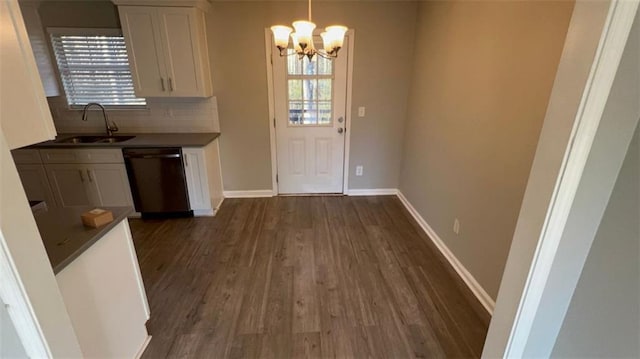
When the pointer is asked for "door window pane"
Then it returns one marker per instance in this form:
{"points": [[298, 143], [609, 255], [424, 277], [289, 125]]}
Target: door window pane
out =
{"points": [[324, 89], [325, 66], [294, 66], [295, 89], [310, 116], [310, 89], [324, 112], [295, 112], [310, 92]]}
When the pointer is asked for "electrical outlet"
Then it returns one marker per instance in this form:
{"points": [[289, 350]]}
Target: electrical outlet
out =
{"points": [[361, 111], [456, 226], [359, 170]]}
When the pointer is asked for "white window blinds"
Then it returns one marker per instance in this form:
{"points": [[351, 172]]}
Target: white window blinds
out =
{"points": [[94, 68]]}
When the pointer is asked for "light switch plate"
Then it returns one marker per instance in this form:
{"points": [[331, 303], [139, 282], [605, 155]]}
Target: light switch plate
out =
{"points": [[361, 111]]}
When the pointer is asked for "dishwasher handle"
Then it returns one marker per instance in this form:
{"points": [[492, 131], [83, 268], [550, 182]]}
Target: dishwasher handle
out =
{"points": [[173, 155]]}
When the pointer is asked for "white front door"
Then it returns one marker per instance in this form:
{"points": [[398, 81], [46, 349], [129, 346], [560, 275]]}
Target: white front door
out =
{"points": [[310, 112]]}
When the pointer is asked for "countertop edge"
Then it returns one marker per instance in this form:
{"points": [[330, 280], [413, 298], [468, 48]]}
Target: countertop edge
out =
{"points": [[135, 142], [102, 231]]}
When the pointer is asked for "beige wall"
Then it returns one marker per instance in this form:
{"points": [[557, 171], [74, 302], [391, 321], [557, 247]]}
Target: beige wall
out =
{"points": [[482, 78], [381, 80]]}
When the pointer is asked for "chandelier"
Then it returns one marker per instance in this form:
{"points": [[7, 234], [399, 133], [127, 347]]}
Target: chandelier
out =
{"points": [[332, 38]]}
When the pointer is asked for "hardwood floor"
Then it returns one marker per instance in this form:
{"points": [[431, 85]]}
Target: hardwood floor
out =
{"points": [[294, 277]]}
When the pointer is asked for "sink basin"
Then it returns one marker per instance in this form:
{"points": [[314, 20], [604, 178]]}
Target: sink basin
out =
{"points": [[114, 139], [80, 139], [95, 139]]}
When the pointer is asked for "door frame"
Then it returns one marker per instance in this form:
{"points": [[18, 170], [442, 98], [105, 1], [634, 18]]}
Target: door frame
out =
{"points": [[539, 247], [268, 38]]}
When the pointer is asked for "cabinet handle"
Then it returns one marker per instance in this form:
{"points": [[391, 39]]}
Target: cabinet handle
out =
{"points": [[89, 176], [186, 162], [162, 83], [81, 176], [170, 84]]}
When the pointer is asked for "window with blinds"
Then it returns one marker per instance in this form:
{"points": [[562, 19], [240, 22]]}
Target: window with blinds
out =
{"points": [[94, 67]]}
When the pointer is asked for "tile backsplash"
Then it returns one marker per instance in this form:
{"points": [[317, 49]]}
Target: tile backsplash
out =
{"points": [[161, 115]]}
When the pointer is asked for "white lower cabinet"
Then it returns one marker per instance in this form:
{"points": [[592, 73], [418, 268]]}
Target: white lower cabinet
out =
{"points": [[109, 185], [89, 185], [98, 177], [204, 180], [87, 177], [68, 184], [194, 170]]}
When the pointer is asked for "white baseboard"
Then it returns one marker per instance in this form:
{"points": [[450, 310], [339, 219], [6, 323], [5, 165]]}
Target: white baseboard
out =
{"points": [[372, 192], [143, 347], [248, 194], [203, 213], [216, 206], [487, 302]]}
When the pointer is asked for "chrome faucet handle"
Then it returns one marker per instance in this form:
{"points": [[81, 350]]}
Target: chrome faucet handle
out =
{"points": [[113, 128]]}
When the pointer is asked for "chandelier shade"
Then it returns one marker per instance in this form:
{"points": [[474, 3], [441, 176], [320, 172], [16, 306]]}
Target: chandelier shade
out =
{"points": [[281, 35], [302, 38]]}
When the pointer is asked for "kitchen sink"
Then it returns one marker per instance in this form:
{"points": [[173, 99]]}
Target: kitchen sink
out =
{"points": [[95, 139], [114, 139], [79, 139]]}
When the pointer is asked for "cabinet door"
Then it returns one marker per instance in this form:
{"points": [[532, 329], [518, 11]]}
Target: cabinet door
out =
{"points": [[141, 32], [26, 156], [25, 114], [184, 41], [196, 173], [35, 183], [109, 185], [69, 184]]}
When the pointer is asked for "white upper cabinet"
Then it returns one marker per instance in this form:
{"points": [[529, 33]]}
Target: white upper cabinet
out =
{"points": [[167, 50], [25, 117]]}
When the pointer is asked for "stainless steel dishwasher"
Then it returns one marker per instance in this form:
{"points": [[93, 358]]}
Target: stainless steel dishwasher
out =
{"points": [[158, 182]]}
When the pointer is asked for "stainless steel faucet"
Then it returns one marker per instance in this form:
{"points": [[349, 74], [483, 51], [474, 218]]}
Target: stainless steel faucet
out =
{"points": [[110, 127]]}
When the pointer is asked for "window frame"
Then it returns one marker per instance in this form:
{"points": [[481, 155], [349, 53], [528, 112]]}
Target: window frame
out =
{"points": [[291, 55], [77, 31]]}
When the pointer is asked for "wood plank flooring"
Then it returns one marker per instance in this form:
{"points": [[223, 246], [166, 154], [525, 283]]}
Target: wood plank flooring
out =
{"points": [[303, 277]]}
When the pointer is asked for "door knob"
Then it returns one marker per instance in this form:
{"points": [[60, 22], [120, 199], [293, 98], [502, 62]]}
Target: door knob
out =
{"points": [[340, 130]]}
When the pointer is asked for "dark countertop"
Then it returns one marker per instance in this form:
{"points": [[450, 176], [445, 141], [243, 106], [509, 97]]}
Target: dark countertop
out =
{"points": [[64, 236], [140, 140]]}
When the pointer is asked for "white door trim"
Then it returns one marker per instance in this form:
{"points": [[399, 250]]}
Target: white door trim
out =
{"points": [[19, 307], [600, 80], [272, 130], [347, 113], [272, 111]]}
